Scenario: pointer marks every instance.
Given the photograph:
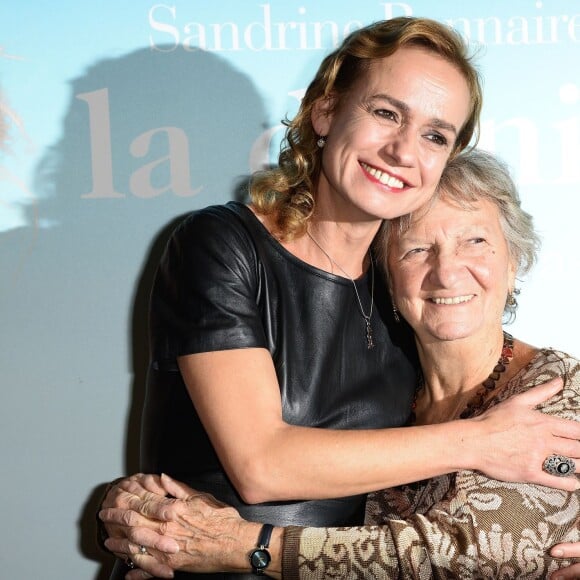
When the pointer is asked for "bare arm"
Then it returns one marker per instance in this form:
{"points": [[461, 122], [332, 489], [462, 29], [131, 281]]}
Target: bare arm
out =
{"points": [[479, 527], [504, 438], [139, 496], [237, 397]]}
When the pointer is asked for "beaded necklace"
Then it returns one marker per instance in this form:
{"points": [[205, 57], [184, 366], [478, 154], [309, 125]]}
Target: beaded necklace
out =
{"points": [[489, 385]]}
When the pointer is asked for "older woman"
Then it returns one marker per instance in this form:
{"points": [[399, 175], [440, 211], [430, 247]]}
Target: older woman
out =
{"points": [[452, 270], [273, 342]]}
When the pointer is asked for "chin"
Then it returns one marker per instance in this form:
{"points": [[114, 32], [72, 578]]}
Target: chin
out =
{"points": [[447, 333]]}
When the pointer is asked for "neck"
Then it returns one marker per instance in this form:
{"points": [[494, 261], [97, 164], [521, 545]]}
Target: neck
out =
{"points": [[453, 373], [339, 247]]}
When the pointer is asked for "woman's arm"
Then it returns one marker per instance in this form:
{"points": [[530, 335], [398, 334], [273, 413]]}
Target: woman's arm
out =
{"points": [[306, 462], [462, 525], [190, 531], [237, 397], [212, 537], [484, 528]]}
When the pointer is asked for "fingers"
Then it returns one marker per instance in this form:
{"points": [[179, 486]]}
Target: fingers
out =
{"points": [[564, 483], [146, 566], [198, 499], [150, 482], [125, 517], [540, 393], [141, 530], [569, 573], [153, 540], [133, 518], [138, 483], [175, 488], [568, 447], [564, 428], [146, 563], [143, 486], [133, 496], [166, 510], [515, 442], [566, 550], [122, 547], [138, 574], [570, 483]]}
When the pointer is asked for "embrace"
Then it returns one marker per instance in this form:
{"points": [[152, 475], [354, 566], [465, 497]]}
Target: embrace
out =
{"points": [[330, 360]]}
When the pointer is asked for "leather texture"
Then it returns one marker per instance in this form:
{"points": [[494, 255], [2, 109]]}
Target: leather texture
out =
{"points": [[225, 282]]}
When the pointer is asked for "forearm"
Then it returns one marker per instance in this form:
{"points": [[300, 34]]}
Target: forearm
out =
{"points": [[320, 463], [399, 551], [212, 537], [237, 398], [226, 552], [481, 527], [268, 459], [508, 443], [237, 548]]}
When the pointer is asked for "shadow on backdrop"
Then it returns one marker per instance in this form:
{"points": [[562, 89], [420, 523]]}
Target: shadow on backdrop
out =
{"points": [[147, 137]]}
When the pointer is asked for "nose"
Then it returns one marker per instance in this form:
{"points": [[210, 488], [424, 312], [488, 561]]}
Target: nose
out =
{"points": [[400, 147], [445, 268]]}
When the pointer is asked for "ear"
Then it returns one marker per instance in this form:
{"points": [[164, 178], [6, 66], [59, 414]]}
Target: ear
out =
{"points": [[321, 115]]}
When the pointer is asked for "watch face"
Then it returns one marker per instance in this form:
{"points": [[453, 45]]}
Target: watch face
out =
{"points": [[260, 558]]}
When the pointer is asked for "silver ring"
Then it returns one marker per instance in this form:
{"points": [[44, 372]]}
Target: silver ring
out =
{"points": [[129, 563], [142, 549], [559, 465]]}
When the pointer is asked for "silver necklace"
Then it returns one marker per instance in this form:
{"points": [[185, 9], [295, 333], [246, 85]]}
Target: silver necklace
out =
{"points": [[367, 317]]}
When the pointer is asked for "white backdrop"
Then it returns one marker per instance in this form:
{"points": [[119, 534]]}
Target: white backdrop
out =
{"points": [[123, 116]]}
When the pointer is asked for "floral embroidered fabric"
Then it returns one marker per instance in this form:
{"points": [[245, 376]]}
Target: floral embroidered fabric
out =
{"points": [[462, 525]]}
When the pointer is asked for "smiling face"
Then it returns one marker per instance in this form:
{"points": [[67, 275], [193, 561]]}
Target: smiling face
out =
{"points": [[451, 272], [391, 135]]}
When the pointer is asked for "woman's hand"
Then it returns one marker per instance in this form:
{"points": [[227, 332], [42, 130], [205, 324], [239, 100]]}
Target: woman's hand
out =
{"points": [[515, 439], [128, 529], [568, 550], [190, 531]]}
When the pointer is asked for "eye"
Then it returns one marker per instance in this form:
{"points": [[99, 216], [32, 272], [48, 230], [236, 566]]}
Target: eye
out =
{"points": [[386, 114], [415, 252], [475, 244], [437, 139]]}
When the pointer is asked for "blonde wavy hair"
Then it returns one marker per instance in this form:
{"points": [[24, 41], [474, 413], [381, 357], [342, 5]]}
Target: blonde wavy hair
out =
{"points": [[287, 192]]}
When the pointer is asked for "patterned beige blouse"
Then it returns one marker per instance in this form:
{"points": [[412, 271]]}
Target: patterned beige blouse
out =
{"points": [[462, 525]]}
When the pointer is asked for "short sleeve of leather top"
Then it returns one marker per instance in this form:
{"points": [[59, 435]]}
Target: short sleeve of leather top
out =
{"points": [[225, 283]]}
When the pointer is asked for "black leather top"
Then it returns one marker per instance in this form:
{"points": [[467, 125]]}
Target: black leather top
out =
{"points": [[225, 282]]}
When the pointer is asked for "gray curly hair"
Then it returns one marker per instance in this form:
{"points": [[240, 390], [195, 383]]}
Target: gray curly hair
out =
{"points": [[469, 177]]}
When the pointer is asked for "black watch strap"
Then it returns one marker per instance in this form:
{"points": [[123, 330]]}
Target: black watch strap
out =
{"points": [[259, 556], [265, 535]]}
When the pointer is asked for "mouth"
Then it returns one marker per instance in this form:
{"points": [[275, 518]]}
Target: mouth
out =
{"points": [[453, 299], [382, 176]]}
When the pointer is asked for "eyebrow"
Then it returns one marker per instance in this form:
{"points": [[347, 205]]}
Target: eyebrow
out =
{"points": [[435, 121]]}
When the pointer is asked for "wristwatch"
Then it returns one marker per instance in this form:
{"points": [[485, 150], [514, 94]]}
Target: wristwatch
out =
{"points": [[259, 556]]}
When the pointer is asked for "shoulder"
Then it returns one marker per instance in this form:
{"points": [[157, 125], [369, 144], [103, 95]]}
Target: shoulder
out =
{"points": [[229, 220], [226, 233], [550, 363]]}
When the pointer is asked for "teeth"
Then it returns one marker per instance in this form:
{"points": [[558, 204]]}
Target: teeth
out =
{"points": [[383, 177], [454, 300]]}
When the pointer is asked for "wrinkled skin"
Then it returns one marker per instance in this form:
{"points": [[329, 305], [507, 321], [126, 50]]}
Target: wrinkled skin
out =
{"points": [[193, 531], [189, 531]]}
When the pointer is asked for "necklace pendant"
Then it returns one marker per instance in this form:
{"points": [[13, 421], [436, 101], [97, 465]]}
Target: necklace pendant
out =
{"points": [[370, 341]]}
